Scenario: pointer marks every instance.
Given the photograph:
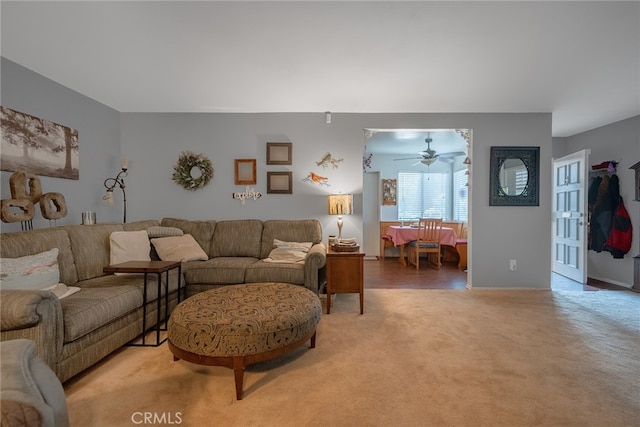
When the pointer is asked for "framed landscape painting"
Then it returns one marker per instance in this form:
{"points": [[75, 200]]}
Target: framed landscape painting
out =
{"points": [[37, 146]]}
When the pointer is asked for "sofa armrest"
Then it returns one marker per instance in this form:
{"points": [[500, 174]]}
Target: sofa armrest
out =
{"points": [[34, 315], [315, 260], [29, 385]]}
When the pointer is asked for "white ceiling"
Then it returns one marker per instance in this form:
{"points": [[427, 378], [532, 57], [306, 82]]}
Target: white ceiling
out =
{"points": [[579, 60]]}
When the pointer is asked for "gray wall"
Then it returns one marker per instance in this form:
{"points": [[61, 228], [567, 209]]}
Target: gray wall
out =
{"points": [[618, 141], [153, 142], [98, 140]]}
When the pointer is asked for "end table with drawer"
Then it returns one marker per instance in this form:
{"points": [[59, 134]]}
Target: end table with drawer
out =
{"points": [[345, 274]]}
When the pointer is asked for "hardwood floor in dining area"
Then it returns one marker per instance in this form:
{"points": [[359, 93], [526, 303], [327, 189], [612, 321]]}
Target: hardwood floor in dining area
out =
{"points": [[388, 273]]}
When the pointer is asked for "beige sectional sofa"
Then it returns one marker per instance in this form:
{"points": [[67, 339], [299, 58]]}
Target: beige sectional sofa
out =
{"points": [[73, 333]]}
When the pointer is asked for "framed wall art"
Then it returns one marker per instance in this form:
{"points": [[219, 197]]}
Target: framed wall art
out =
{"points": [[244, 171], [388, 191], [37, 146], [279, 182], [279, 153], [514, 176]]}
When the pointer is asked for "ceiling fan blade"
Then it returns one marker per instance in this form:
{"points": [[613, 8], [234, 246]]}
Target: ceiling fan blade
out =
{"points": [[452, 154], [408, 158]]}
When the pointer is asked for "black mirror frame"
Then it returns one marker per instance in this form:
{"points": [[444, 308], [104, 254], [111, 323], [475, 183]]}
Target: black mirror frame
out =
{"points": [[530, 156]]}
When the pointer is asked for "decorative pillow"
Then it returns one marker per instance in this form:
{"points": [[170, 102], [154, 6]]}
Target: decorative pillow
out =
{"points": [[289, 252], [160, 231], [129, 246], [38, 271], [179, 248]]}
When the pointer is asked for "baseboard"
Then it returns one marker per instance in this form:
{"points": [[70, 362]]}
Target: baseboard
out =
{"points": [[613, 282]]}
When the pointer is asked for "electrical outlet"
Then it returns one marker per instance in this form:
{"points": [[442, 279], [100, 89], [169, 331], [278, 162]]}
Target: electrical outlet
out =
{"points": [[513, 265]]}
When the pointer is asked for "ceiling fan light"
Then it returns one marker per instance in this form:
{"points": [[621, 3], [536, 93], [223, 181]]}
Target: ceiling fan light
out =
{"points": [[429, 161]]}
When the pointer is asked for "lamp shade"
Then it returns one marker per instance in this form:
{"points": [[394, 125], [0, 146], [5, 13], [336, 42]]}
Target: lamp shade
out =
{"points": [[340, 204], [108, 198]]}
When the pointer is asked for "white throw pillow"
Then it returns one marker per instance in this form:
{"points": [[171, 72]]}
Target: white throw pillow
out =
{"points": [[179, 248], [129, 246], [35, 272]]}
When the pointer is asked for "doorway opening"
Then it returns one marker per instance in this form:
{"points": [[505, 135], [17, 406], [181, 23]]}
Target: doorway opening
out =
{"points": [[394, 160]]}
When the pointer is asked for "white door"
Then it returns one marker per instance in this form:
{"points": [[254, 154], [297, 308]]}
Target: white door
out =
{"points": [[569, 225], [371, 214]]}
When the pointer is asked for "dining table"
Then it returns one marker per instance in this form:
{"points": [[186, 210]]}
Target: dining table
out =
{"points": [[400, 235]]}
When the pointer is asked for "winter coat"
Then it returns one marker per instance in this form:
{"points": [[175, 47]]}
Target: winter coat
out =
{"points": [[602, 216], [619, 241]]}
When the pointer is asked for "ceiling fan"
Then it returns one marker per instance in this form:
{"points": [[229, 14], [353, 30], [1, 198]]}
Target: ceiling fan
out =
{"points": [[429, 156]]}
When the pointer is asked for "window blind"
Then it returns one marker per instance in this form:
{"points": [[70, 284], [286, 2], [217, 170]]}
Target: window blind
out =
{"points": [[424, 195]]}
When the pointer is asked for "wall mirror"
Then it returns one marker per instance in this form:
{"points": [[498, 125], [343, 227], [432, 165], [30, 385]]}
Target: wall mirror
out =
{"points": [[515, 176]]}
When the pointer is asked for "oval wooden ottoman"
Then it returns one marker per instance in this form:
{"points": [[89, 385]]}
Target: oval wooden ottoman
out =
{"points": [[238, 325]]}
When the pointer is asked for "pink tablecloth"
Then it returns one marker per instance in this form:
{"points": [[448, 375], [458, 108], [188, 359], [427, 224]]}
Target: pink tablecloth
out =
{"points": [[403, 235]]}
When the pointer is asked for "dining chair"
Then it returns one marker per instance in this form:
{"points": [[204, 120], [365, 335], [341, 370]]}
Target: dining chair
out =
{"points": [[428, 241]]}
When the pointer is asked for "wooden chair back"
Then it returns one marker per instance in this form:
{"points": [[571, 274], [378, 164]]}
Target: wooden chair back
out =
{"points": [[429, 230], [428, 241]]}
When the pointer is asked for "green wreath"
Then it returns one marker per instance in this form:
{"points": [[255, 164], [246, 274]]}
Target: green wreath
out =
{"points": [[182, 170]]}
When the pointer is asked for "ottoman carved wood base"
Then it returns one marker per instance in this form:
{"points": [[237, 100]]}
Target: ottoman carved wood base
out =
{"points": [[239, 325]]}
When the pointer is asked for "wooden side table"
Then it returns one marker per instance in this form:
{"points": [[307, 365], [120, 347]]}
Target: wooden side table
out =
{"points": [[153, 267], [345, 274]]}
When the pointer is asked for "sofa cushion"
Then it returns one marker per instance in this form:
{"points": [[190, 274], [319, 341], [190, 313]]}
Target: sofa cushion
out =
{"points": [[92, 308], [140, 225], [90, 244], [13, 245], [160, 231], [263, 271], [237, 238], [221, 270], [135, 280]]}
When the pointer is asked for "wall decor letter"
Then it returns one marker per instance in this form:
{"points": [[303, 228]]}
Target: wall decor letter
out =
{"points": [[248, 193]]}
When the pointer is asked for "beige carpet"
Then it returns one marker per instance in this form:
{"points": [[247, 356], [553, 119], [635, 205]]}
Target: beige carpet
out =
{"points": [[415, 358]]}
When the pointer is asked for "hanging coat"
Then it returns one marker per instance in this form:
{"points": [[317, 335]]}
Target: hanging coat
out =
{"points": [[619, 241], [602, 218]]}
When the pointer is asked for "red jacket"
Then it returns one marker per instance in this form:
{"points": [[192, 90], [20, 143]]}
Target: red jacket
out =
{"points": [[619, 241]]}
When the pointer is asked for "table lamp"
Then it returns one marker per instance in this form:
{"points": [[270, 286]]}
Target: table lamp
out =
{"points": [[340, 204]]}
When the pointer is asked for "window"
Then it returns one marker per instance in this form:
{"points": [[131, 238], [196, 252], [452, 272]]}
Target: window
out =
{"points": [[423, 195], [434, 195]]}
